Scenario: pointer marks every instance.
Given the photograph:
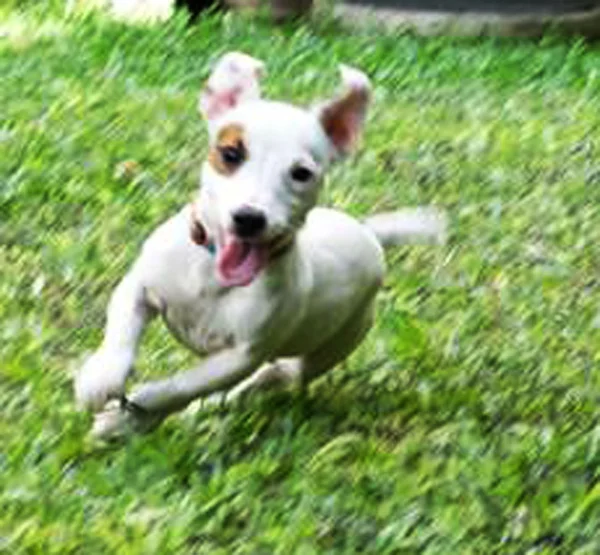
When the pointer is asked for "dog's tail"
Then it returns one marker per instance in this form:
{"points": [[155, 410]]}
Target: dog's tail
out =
{"points": [[424, 225]]}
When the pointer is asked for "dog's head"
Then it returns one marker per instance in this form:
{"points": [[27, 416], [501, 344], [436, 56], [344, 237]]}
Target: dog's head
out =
{"points": [[266, 162]]}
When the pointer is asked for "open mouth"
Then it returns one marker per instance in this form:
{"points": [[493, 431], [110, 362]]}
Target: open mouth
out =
{"points": [[240, 261]]}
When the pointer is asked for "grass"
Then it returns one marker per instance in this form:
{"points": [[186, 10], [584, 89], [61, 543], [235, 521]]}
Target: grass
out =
{"points": [[467, 423]]}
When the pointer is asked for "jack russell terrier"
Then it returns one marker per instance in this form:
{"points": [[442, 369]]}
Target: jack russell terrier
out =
{"points": [[268, 288]]}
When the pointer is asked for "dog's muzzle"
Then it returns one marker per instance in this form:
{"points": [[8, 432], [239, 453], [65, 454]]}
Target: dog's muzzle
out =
{"points": [[249, 223]]}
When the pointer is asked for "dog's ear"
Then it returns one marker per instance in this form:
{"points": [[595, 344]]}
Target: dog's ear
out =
{"points": [[342, 118], [234, 79]]}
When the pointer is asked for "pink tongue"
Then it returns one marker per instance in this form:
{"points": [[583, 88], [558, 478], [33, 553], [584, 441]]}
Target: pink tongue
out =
{"points": [[238, 262]]}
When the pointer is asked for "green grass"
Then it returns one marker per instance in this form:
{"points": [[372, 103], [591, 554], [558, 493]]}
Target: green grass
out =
{"points": [[467, 423]]}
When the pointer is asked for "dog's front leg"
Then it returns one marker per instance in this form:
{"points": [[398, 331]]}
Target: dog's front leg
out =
{"points": [[103, 375], [153, 401], [216, 373]]}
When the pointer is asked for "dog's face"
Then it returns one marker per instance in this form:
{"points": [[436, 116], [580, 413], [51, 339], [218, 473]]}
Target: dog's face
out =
{"points": [[266, 163]]}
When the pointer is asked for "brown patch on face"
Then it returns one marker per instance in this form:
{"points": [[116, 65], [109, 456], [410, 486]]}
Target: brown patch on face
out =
{"points": [[229, 151]]}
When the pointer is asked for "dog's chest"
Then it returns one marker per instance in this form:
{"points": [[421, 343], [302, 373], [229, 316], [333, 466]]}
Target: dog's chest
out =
{"points": [[206, 318], [198, 323], [179, 278]]}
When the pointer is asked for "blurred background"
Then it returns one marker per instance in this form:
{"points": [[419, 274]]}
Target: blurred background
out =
{"points": [[467, 422]]}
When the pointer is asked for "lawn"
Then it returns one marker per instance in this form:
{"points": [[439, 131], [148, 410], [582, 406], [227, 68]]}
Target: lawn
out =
{"points": [[467, 423]]}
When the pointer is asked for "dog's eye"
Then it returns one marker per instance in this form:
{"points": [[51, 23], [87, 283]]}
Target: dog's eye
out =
{"points": [[232, 155], [302, 174]]}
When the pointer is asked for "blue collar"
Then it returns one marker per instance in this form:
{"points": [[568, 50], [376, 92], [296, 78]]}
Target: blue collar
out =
{"points": [[210, 247]]}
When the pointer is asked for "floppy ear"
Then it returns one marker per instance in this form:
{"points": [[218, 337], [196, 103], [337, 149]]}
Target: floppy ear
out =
{"points": [[234, 79], [342, 118]]}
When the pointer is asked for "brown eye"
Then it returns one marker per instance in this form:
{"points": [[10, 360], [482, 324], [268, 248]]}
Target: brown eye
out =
{"points": [[302, 174], [232, 155]]}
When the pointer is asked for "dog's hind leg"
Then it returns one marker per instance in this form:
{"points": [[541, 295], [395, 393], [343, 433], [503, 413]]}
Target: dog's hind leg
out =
{"points": [[281, 374], [297, 372], [152, 401], [339, 346]]}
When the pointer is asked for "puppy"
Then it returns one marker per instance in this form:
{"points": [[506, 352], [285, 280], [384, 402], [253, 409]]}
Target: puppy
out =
{"points": [[251, 276]]}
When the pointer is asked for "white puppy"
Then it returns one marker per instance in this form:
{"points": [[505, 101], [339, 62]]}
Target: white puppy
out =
{"points": [[251, 276]]}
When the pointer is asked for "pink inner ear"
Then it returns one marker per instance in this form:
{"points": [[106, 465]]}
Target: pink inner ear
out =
{"points": [[228, 99], [343, 119], [342, 131], [217, 104]]}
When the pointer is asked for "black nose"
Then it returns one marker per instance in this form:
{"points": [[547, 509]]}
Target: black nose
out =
{"points": [[249, 222]]}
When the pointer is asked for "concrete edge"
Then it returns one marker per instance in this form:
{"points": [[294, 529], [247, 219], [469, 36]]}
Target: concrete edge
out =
{"points": [[471, 24]]}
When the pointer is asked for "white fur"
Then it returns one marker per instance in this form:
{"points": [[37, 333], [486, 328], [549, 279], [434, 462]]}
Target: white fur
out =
{"points": [[409, 225], [142, 10], [305, 312], [233, 70], [353, 78]]}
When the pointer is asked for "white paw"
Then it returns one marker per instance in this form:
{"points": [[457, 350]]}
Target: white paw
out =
{"points": [[101, 378], [118, 421], [112, 423]]}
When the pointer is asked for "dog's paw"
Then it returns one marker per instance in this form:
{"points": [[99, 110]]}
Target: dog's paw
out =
{"points": [[101, 378], [114, 422], [119, 420]]}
